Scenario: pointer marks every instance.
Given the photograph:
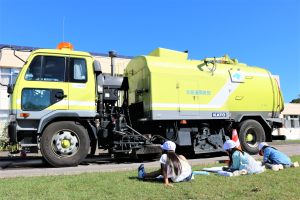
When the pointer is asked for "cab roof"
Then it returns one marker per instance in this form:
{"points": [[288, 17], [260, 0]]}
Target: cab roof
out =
{"points": [[62, 52]]}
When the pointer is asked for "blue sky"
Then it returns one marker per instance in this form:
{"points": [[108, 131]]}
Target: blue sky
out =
{"points": [[263, 33]]}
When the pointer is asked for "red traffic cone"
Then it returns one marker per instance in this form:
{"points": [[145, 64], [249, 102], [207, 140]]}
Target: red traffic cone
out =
{"points": [[235, 138]]}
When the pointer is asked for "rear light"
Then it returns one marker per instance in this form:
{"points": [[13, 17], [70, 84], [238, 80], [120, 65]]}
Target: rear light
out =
{"points": [[183, 122]]}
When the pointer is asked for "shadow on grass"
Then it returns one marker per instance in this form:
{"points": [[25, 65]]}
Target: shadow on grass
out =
{"points": [[157, 180]]}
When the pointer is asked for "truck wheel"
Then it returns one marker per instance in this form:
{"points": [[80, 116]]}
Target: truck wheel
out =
{"points": [[251, 134], [64, 144]]}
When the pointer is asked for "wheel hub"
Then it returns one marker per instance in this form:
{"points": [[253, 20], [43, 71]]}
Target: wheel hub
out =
{"points": [[249, 137], [65, 143]]}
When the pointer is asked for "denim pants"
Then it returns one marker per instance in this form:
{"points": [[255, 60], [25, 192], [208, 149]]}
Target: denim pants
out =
{"points": [[270, 165]]}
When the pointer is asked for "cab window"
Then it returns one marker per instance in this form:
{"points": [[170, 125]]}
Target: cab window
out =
{"points": [[78, 71], [47, 68], [37, 99]]}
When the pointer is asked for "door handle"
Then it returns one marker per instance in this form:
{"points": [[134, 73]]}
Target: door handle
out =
{"points": [[60, 95]]}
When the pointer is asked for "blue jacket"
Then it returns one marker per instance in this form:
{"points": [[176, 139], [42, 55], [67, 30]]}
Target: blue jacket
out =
{"points": [[245, 161], [274, 156], [239, 161]]}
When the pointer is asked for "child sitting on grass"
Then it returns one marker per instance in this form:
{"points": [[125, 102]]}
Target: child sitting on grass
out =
{"points": [[274, 159], [240, 162], [173, 166]]}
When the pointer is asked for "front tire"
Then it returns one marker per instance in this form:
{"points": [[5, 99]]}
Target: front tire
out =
{"points": [[64, 144], [251, 134]]}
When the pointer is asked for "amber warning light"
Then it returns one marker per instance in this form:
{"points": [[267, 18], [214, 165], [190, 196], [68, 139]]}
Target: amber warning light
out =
{"points": [[25, 115], [65, 45]]}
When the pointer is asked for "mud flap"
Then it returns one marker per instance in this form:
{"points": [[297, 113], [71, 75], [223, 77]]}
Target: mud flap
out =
{"points": [[12, 132]]}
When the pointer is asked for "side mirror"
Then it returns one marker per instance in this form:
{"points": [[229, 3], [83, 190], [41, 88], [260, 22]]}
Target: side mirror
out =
{"points": [[97, 67], [10, 88], [100, 83]]}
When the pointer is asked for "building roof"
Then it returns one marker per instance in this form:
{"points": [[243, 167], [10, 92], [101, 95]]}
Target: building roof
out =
{"points": [[27, 48], [13, 59], [291, 109]]}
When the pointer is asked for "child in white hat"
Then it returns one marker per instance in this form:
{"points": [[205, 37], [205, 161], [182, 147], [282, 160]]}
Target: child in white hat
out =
{"points": [[240, 161], [173, 166], [273, 158]]}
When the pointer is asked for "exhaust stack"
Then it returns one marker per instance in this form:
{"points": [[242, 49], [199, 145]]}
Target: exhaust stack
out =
{"points": [[112, 55]]}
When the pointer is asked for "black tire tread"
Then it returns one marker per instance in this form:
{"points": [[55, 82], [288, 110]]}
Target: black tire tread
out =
{"points": [[260, 134], [55, 160]]}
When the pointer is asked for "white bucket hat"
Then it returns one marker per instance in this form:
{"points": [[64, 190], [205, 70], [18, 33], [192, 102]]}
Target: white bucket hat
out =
{"points": [[229, 144], [261, 145], [169, 146]]}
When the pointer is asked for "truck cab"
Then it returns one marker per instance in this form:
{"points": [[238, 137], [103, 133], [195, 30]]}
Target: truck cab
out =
{"points": [[53, 87], [62, 105]]}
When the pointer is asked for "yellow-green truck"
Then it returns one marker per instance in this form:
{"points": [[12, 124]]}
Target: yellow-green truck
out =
{"points": [[63, 105]]}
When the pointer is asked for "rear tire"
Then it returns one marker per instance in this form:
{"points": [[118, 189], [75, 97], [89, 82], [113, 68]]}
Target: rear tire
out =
{"points": [[64, 144], [250, 135]]}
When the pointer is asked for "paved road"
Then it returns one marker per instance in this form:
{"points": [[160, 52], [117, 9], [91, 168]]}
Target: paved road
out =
{"points": [[36, 168]]}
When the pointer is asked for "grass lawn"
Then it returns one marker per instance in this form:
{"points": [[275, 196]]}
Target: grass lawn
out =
{"points": [[284, 184]]}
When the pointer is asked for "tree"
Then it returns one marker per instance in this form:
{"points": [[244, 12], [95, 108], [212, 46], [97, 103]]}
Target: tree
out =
{"points": [[297, 100]]}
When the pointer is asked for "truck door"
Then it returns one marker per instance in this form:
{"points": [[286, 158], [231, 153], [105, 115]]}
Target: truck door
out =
{"points": [[44, 87]]}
